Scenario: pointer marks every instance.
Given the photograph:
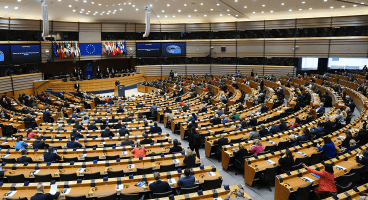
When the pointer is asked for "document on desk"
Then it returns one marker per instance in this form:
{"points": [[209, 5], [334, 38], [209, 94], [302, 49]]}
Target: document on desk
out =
{"points": [[80, 170], [172, 181], [300, 153], [119, 187], [66, 191], [83, 155], [211, 173], [11, 193], [53, 189], [339, 167], [131, 166], [176, 161], [308, 179], [270, 161], [6, 155], [35, 171], [125, 153], [219, 198]]}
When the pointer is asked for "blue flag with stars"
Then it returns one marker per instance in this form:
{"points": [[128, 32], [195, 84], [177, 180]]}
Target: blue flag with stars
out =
{"points": [[89, 49]]}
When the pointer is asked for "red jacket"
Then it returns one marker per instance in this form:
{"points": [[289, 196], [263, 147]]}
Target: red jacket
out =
{"points": [[326, 181], [138, 152]]}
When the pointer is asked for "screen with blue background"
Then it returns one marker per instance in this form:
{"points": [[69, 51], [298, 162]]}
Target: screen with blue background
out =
{"points": [[25, 53], [347, 63], [174, 49], [4, 55], [90, 49], [148, 49]]}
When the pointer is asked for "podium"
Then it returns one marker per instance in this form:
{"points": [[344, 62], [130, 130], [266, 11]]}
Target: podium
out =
{"points": [[119, 90]]}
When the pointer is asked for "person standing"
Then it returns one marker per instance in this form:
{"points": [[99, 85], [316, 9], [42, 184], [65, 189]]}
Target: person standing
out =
{"points": [[117, 82], [252, 73], [195, 141], [171, 74]]}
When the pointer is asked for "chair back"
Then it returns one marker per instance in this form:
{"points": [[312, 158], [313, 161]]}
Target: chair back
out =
{"points": [[301, 160], [43, 178], [315, 158], [115, 174], [296, 167], [112, 157], [189, 190], [68, 177], [141, 171], [129, 196], [344, 180], [167, 168], [9, 160], [16, 178], [75, 159], [82, 197], [160, 195], [271, 148], [282, 145], [269, 174], [91, 158], [303, 192], [211, 184], [109, 197], [91, 176]]}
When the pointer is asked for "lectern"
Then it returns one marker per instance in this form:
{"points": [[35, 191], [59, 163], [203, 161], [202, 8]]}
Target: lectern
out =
{"points": [[119, 90]]}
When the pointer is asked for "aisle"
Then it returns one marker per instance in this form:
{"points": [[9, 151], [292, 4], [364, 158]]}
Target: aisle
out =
{"points": [[229, 177]]}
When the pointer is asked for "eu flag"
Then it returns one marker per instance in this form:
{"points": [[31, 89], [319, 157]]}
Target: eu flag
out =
{"points": [[88, 49]]}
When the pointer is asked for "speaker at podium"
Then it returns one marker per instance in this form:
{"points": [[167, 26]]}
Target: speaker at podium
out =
{"points": [[119, 90]]}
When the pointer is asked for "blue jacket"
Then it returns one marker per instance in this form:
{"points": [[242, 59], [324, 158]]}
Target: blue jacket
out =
{"points": [[160, 186], [317, 131], [46, 115], [186, 182], [191, 118], [275, 129], [20, 145], [123, 131], [320, 109], [283, 127], [329, 149], [225, 120], [298, 139], [51, 157], [45, 196], [24, 159], [204, 109], [91, 127], [264, 109], [155, 129], [76, 135], [73, 144], [39, 145]]}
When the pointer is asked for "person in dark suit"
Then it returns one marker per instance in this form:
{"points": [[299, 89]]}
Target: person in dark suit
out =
{"points": [[275, 129], [186, 181], [327, 126], [107, 73], [252, 73], [24, 158], [118, 125], [159, 186], [216, 120], [50, 156], [263, 132], [75, 134], [47, 116], [240, 107], [317, 130], [107, 133], [29, 118], [261, 85], [78, 126], [286, 161], [221, 141], [75, 72], [38, 144], [76, 85], [41, 195], [296, 141], [123, 131], [146, 140], [91, 126], [73, 144], [239, 154], [244, 123], [252, 121], [176, 148], [264, 108], [99, 120], [192, 124], [110, 101], [120, 109], [364, 162], [66, 104], [283, 126], [204, 109], [113, 120], [320, 109], [98, 72], [117, 82], [127, 141], [155, 129], [126, 119]]}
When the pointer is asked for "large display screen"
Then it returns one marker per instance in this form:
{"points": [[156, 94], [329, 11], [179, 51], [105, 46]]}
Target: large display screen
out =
{"points": [[148, 49], [347, 63], [25, 54], [4, 55], [308, 63], [174, 49]]}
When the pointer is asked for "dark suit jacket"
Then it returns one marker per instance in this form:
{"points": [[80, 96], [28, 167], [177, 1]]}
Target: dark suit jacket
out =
{"points": [[146, 141], [215, 121], [155, 129], [73, 144], [283, 127], [126, 119], [113, 120], [127, 142], [221, 142], [264, 109], [175, 149], [253, 122], [107, 134], [363, 161], [79, 127], [39, 145], [24, 159], [45, 196], [123, 131], [29, 119], [275, 129], [91, 127], [51, 157], [76, 86], [263, 132], [160, 186]]}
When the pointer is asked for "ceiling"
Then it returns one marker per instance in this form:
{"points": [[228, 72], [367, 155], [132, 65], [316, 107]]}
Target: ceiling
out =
{"points": [[180, 11]]}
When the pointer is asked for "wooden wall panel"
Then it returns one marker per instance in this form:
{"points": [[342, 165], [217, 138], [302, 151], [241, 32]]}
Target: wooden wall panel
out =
{"points": [[198, 27], [257, 25], [198, 69], [198, 48], [46, 51], [151, 70], [219, 70], [350, 21], [180, 69], [65, 26], [117, 27], [246, 69], [250, 48], [346, 47], [89, 27], [280, 24], [230, 48], [5, 84], [228, 26], [278, 70], [279, 47], [172, 27], [313, 22], [26, 25], [312, 47], [21, 82], [4, 24]]}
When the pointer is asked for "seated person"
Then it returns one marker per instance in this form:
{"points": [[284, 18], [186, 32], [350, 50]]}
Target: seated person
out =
{"points": [[328, 148], [91, 126], [31, 134], [41, 195], [221, 141], [215, 120], [189, 159], [239, 195], [50, 156], [20, 144], [107, 133], [155, 129], [78, 126], [75, 134], [176, 148], [147, 140], [138, 150], [286, 161], [73, 144], [123, 131], [256, 148], [127, 141], [239, 154], [186, 181], [348, 137], [263, 132], [275, 129], [363, 161], [317, 131], [159, 186], [296, 141], [24, 157], [113, 120], [29, 118], [254, 134], [38, 144]]}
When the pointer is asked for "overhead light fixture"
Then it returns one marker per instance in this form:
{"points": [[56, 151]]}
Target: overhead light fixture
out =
{"points": [[121, 9], [342, 6], [236, 1], [254, 12], [325, 0], [99, 4], [189, 16], [85, 1], [201, 4], [195, 10], [271, 11], [262, 12], [179, 10], [245, 7], [163, 11], [300, 9], [355, 5], [166, 16], [218, 4], [263, 5], [228, 10], [331, 7], [168, 5], [185, 4], [362, 3], [310, 8], [74, 10], [19, 0], [290, 10], [211, 9], [236, 15], [151, 5], [133, 6], [173, 15], [136, 9], [220, 14], [228, 14], [129, 3], [92, 2], [282, 4], [119, 4], [158, 15], [205, 15], [303, 1], [6, 6]]}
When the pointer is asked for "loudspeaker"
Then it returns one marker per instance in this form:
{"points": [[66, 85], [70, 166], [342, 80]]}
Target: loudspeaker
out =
{"points": [[223, 49]]}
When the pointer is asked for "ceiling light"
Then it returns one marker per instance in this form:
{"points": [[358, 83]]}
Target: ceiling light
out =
{"points": [[94, 13], [245, 7], [87, 13], [6, 6], [211, 9], [201, 4], [220, 14], [107, 5], [121, 9], [19, 0], [236, 15], [113, 4], [166, 16], [82, 9], [324, 0], [59, 0], [290, 10], [254, 12], [136, 9], [92, 2], [124, 3], [262, 12], [168, 4], [185, 4], [342, 6], [151, 5], [179, 10], [129, 3], [218, 4], [119, 4], [310, 8], [228, 14], [158, 15], [108, 13], [162, 11], [271, 11], [303, 1], [362, 3], [99, 4], [85, 1], [195, 10], [189, 16], [300, 9], [331, 7], [173, 15], [70, 6], [133, 6], [282, 4], [236, 1], [355, 5], [263, 5], [228, 10], [205, 15]]}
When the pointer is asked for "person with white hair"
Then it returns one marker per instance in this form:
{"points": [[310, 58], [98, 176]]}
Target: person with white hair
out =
{"points": [[239, 195], [41, 195]]}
